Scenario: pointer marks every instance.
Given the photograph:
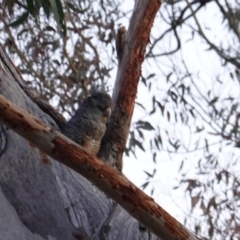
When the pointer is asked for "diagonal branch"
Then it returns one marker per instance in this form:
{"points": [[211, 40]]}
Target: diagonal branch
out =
{"points": [[107, 179]]}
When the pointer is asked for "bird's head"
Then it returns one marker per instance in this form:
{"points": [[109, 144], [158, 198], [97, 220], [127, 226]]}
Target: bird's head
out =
{"points": [[99, 103]]}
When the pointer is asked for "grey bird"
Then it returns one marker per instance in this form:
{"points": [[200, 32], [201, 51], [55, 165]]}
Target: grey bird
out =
{"points": [[87, 127]]}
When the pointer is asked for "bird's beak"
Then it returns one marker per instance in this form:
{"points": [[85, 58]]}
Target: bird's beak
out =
{"points": [[107, 112]]}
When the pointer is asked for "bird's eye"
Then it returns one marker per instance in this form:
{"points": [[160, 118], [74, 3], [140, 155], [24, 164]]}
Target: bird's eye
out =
{"points": [[101, 107]]}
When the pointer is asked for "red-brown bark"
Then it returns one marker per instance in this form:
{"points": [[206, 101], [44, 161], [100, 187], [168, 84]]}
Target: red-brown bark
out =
{"points": [[128, 75]]}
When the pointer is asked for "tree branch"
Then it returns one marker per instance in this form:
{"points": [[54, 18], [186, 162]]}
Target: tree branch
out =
{"points": [[220, 52], [107, 179], [129, 72]]}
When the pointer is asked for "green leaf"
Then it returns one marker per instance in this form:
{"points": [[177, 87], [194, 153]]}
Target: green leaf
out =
{"points": [[148, 174], [161, 107], [137, 143], [168, 115], [30, 6], [57, 9], [145, 125], [151, 76], [58, 13], [144, 80], [19, 20], [144, 185], [159, 139], [156, 143], [154, 157], [49, 28], [140, 134], [152, 191], [46, 8]]}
